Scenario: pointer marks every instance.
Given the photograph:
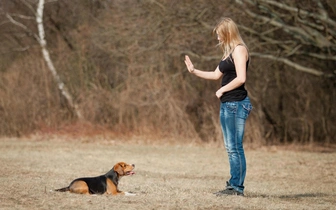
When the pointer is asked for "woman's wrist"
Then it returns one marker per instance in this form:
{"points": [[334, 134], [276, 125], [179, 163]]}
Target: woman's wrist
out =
{"points": [[192, 69]]}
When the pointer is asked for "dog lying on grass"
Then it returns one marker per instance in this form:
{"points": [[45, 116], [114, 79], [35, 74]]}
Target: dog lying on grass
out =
{"points": [[104, 184]]}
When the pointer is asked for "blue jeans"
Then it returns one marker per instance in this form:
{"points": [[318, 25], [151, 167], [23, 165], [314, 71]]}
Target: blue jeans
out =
{"points": [[233, 116]]}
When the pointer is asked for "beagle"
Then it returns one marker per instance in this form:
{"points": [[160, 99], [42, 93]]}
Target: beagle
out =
{"points": [[104, 184]]}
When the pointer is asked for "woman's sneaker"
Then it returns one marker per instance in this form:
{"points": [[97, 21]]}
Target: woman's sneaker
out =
{"points": [[228, 191]]}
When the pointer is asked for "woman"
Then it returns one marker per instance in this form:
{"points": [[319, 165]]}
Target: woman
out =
{"points": [[235, 104]]}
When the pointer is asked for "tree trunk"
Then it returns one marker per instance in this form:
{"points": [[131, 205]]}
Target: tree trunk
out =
{"points": [[46, 56]]}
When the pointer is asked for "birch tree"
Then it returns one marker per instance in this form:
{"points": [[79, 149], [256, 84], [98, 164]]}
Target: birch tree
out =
{"points": [[40, 37]]}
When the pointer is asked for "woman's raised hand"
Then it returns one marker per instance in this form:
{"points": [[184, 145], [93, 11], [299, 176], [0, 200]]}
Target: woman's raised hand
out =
{"points": [[189, 64]]}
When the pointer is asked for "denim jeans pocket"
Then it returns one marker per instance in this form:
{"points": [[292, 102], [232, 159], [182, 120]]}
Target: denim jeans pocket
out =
{"points": [[231, 107], [247, 109]]}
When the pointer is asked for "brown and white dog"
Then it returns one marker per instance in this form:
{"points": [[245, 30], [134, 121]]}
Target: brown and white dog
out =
{"points": [[104, 184]]}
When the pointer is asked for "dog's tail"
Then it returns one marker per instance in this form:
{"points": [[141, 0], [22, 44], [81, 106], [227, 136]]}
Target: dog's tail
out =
{"points": [[64, 189]]}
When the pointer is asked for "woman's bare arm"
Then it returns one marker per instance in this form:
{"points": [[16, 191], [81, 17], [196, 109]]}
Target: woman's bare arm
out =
{"points": [[210, 75]]}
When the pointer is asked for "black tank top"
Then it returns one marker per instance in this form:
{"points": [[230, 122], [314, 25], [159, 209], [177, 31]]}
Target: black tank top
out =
{"points": [[228, 69]]}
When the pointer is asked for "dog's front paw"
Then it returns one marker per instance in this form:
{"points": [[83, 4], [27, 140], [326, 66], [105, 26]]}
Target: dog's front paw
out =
{"points": [[129, 194]]}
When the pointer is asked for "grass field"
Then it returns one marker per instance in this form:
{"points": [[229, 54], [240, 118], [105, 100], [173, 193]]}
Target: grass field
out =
{"points": [[168, 176]]}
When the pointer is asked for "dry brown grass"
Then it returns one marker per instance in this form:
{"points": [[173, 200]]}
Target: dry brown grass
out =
{"points": [[169, 176]]}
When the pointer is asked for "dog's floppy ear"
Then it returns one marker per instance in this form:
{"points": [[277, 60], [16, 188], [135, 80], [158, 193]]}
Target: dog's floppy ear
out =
{"points": [[118, 168]]}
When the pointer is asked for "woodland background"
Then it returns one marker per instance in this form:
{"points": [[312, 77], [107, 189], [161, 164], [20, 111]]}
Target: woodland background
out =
{"points": [[121, 61]]}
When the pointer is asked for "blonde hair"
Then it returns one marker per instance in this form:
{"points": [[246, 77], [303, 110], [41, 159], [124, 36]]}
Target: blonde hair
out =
{"points": [[228, 31]]}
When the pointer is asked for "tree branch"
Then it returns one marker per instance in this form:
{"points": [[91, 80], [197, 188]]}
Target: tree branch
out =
{"points": [[25, 28], [319, 56], [29, 6], [292, 64], [323, 16], [306, 35]]}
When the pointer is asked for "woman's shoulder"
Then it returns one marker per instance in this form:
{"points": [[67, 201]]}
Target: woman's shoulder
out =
{"points": [[240, 50]]}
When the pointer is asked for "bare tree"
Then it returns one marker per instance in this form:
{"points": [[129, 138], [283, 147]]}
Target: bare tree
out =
{"points": [[294, 32], [294, 43], [40, 37]]}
